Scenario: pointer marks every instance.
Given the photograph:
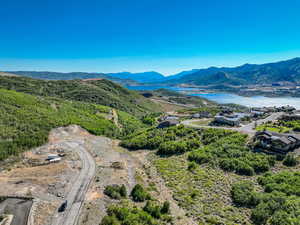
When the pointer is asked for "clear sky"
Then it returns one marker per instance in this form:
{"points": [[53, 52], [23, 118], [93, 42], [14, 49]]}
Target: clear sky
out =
{"points": [[142, 35]]}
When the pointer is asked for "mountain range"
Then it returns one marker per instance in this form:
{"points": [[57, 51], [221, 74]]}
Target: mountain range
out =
{"points": [[279, 72]]}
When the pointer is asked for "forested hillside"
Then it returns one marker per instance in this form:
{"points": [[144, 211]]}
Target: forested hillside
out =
{"points": [[25, 120], [100, 91]]}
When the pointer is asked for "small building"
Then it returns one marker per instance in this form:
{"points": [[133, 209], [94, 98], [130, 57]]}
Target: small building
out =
{"points": [[169, 117], [287, 109], [277, 142], [168, 123], [290, 117], [200, 115], [233, 119], [256, 114], [52, 156], [264, 109], [55, 160]]}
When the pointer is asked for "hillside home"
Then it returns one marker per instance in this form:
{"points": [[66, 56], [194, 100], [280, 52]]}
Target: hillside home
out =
{"points": [[202, 115], [232, 119], [168, 123], [277, 142], [291, 116], [169, 117]]}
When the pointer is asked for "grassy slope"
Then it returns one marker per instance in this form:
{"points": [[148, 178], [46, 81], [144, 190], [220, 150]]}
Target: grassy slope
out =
{"points": [[26, 120], [204, 193], [102, 92], [183, 99]]}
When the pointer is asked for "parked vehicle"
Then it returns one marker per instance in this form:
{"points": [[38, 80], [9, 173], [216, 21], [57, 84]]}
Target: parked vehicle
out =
{"points": [[63, 206]]}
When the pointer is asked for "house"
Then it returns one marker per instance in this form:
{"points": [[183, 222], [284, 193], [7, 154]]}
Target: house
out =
{"points": [[277, 142], [287, 108], [290, 117], [256, 114], [202, 115], [168, 123], [264, 109], [232, 119], [169, 117]]}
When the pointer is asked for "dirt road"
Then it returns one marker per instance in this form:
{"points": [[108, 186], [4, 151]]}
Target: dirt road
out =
{"points": [[246, 129], [76, 195]]}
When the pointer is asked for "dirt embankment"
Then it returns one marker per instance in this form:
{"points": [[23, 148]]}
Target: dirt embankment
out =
{"points": [[48, 183]]}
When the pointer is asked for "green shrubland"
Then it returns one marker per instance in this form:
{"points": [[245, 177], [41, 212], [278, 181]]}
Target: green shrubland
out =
{"points": [[173, 140], [102, 92], [278, 204], [224, 148], [26, 120]]}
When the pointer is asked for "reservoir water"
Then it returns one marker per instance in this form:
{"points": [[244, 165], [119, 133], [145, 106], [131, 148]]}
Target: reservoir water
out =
{"points": [[223, 98]]}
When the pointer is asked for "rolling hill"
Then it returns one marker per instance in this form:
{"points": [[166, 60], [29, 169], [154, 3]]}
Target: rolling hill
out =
{"points": [[25, 120], [145, 77], [98, 91]]}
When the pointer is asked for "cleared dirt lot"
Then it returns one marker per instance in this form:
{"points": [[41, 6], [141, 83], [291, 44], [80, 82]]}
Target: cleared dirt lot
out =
{"points": [[47, 183]]}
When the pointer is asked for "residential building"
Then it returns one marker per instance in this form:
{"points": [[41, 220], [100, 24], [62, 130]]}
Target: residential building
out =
{"points": [[278, 142], [200, 115], [232, 119], [168, 123]]}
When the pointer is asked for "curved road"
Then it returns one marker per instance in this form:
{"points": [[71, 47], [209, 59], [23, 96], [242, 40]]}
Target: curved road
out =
{"points": [[247, 129], [76, 195]]}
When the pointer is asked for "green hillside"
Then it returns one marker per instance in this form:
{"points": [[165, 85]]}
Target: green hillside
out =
{"points": [[100, 91], [25, 120], [283, 71]]}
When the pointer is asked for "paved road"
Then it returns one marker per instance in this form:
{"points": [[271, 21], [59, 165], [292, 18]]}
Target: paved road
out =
{"points": [[76, 195], [247, 129], [20, 208]]}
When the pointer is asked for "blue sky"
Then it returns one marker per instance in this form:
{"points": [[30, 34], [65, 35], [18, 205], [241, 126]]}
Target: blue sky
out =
{"points": [[142, 35]]}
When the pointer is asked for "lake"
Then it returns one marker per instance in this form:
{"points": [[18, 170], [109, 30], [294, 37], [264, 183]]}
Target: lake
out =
{"points": [[223, 98]]}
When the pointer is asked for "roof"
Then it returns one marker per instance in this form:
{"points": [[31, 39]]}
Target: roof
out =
{"points": [[233, 117], [285, 138]]}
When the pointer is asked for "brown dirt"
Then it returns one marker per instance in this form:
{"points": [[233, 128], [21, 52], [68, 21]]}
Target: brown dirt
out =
{"points": [[168, 107]]}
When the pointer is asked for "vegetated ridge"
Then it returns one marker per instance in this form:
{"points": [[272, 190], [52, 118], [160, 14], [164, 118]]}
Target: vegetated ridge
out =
{"points": [[26, 120], [101, 92]]}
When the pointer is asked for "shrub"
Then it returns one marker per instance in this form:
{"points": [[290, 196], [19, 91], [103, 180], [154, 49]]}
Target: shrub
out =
{"points": [[200, 156], [127, 215], [192, 166], [228, 164], [116, 191], [139, 194], [243, 194], [110, 220], [165, 209], [244, 169], [290, 160], [173, 147], [261, 214], [123, 191], [153, 209]]}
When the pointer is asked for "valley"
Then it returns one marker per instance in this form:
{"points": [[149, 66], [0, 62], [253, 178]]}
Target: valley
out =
{"points": [[112, 160]]}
